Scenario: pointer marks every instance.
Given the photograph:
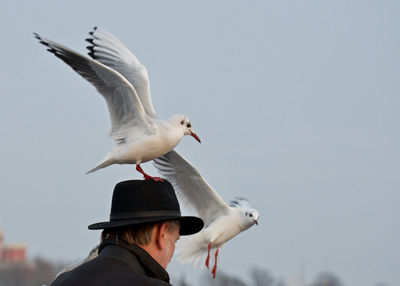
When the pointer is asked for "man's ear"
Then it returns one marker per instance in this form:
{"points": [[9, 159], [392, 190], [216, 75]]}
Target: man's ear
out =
{"points": [[160, 232]]}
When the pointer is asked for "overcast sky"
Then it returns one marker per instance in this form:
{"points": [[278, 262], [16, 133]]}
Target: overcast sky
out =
{"points": [[296, 102]]}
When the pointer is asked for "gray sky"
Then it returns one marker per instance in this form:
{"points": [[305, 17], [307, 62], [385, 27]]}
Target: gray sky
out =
{"points": [[296, 102]]}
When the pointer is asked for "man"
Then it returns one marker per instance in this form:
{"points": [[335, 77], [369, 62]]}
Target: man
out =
{"points": [[138, 241]]}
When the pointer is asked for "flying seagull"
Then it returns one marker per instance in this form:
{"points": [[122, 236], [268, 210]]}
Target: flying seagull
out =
{"points": [[122, 80], [222, 222]]}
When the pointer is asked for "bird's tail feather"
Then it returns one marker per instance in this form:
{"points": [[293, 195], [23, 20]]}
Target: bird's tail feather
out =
{"points": [[107, 161], [192, 250]]}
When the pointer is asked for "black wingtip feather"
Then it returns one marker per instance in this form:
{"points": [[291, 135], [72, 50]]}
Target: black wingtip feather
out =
{"points": [[37, 36], [91, 49], [41, 41], [94, 30], [237, 201], [91, 54]]}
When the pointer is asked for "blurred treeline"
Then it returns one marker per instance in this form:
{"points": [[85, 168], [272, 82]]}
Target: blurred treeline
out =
{"points": [[34, 273], [262, 277], [42, 272]]}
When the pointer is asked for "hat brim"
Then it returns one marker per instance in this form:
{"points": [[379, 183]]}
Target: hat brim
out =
{"points": [[188, 224]]}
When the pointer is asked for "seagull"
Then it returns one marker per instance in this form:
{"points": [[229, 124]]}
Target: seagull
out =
{"points": [[139, 135], [222, 222]]}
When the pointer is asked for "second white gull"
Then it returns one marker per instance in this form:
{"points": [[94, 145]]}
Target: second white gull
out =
{"points": [[222, 222]]}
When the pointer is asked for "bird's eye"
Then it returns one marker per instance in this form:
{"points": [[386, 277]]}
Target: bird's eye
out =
{"points": [[182, 122], [189, 125], [251, 215], [246, 213]]}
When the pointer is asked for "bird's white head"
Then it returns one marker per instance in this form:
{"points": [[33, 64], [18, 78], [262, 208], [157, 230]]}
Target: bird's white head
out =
{"points": [[249, 215], [184, 123]]}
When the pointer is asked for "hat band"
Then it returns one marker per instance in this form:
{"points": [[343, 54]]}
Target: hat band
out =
{"points": [[143, 214]]}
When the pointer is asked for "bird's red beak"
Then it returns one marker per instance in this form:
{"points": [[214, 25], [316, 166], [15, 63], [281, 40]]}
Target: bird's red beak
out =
{"points": [[255, 221], [194, 135]]}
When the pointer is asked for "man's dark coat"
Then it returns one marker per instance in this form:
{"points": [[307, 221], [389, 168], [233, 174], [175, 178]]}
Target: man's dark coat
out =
{"points": [[118, 265]]}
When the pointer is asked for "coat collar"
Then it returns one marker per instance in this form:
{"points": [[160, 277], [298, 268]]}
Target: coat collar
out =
{"points": [[134, 256]]}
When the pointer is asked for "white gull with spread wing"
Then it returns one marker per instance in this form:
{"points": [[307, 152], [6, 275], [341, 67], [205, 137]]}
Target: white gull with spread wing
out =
{"points": [[222, 222], [122, 80]]}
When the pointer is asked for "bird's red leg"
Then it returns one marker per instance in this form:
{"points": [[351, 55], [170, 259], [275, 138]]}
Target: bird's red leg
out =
{"points": [[214, 270], [208, 256], [147, 177]]}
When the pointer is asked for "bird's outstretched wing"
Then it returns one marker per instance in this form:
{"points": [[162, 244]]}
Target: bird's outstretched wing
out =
{"points": [[109, 50], [191, 187], [123, 103]]}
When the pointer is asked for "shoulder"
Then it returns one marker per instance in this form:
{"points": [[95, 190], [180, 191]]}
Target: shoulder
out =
{"points": [[111, 279], [101, 272]]}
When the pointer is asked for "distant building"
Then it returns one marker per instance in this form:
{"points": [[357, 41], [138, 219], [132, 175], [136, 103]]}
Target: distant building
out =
{"points": [[1, 245], [11, 253], [14, 253]]}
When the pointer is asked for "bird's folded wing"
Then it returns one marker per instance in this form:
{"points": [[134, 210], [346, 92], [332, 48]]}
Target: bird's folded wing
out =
{"points": [[122, 101], [191, 187], [109, 50]]}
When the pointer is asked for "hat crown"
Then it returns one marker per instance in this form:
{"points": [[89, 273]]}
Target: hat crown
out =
{"points": [[146, 201], [135, 196]]}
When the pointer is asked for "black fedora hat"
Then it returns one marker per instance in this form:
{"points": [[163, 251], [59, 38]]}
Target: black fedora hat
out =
{"points": [[142, 201]]}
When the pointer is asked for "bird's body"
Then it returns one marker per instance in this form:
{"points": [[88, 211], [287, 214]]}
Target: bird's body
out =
{"points": [[122, 80], [222, 221], [144, 146], [223, 229]]}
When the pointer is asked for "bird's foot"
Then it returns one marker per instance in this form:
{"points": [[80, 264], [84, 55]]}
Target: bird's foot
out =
{"points": [[208, 256], [155, 179], [148, 177], [214, 270], [208, 261]]}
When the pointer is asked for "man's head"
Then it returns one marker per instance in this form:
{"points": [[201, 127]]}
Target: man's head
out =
{"points": [[147, 214], [157, 238]]}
